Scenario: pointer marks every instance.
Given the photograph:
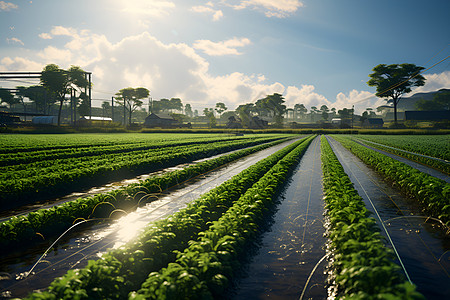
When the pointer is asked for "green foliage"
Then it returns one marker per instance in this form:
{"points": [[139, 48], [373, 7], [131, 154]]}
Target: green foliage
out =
{"points": [[441, 101], [27, 175], [362, 266], [123, 270], [434, 146], [392, 81], [204, 269], [131, 98], [433, 193]]}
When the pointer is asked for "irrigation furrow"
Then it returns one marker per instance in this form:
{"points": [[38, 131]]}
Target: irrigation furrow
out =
{"points": [[421, 242], [293, 242]]}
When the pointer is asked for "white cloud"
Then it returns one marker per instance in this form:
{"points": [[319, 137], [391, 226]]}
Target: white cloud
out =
{"points": [[14, 40], [434, 82], [305, 95], [271, 8], [154, 8], [54, 55], [45, 36], [7, 6], [208, 8], [19, 64], [227, 47], [65, 31], [167, 70], [360, 99]]}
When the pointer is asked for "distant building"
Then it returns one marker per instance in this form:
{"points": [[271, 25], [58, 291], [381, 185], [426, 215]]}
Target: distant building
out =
{"points": [[440, 115], [373, 123], [93, 121], [161, 120], [45, 120], [8, 119], [336, 121]]}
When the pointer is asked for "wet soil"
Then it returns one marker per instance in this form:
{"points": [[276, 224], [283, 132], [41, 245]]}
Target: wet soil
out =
{"points": [[294, 241]]}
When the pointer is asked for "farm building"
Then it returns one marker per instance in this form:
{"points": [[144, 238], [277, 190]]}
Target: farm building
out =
{"points": [[161, 120], [440, 115], [45, 120], [90, 120]]}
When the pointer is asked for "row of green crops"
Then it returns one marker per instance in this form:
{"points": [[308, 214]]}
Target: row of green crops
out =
{"points": [[38, 182], [123, 270], [431, 145], [204, 269], [362, 267], [75, 151], [47, 222], [39, 142], [433, 193], [437, 164]]}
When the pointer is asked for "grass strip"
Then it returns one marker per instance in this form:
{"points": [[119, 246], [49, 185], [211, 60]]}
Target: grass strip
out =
{"points": [[123, 270], [362, 266]]}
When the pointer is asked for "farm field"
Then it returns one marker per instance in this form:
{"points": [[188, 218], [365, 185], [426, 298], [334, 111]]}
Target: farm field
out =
{"points": [[46, 168], [198, 222]]}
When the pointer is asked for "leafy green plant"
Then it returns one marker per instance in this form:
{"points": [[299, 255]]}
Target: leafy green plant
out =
{"points": [[123, 270], [362, 267], [431, 192], [204, 269]]}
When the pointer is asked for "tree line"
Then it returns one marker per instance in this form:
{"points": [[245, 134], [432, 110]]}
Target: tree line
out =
{"points": [[390, 81]]}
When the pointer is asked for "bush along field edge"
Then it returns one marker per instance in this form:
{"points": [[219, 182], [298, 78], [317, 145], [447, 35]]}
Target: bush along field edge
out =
{"points": [[362, 266], [28, 229], [123, 270], [431, 192]]}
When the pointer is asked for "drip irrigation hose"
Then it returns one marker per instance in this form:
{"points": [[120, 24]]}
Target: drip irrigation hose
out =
{"points": [[51, 246], [311, 274]]}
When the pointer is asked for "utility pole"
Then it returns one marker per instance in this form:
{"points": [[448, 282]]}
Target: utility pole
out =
{"points": [[124, 113], [112, 109]]}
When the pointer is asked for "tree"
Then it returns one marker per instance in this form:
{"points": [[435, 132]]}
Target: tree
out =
{"points": [[345, 114], [274, 104], [300, 109], [220, 108], [7, 97], [392, 81], [39, 96], [324, 109], [131, 98], [441, 101], [176, 104], [209, 113], [106, 106], [188, 110], [313, 111], [60, 82], [245, 113], [84, 107]]}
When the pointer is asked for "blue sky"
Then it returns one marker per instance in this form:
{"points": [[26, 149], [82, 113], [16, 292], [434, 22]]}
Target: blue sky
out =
{"points": [[232, 51]]}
